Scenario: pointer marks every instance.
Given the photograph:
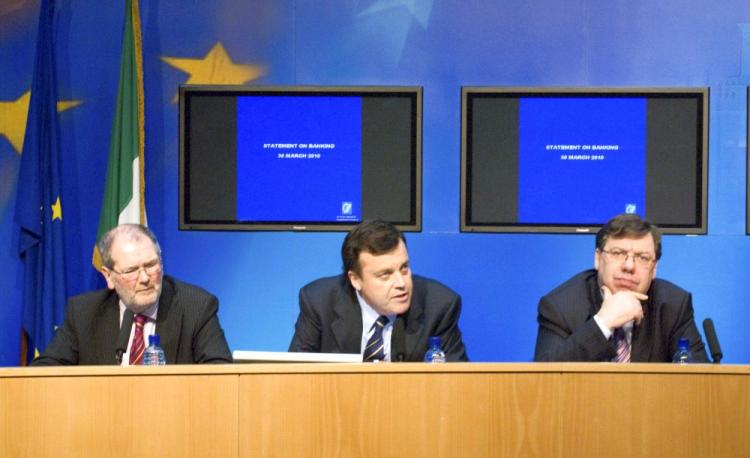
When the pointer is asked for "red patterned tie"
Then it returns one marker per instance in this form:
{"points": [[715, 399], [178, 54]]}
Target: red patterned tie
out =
{"points": [[138, 346], [623, 347]]}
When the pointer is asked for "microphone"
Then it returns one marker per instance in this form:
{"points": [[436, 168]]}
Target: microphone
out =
{"points": [[713, 340], [398, 344], [123, 336]]}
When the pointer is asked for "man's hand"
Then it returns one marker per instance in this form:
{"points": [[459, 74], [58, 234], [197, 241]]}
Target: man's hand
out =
{"points": [[621, 307]]}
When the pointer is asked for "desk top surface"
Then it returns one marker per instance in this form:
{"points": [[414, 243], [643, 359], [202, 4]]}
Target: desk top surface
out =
{"points": [[379, 368]]}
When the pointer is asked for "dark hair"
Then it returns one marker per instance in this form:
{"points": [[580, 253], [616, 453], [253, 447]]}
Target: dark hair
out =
{"points": [[628, 226], [131, 232], [374, 236]]}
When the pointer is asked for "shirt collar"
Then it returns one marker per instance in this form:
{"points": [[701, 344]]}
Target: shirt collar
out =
{"points": [[369, 314], [149, 313]]}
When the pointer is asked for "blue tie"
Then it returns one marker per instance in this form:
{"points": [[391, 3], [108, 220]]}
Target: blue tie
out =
{"points": [[375, 349]]}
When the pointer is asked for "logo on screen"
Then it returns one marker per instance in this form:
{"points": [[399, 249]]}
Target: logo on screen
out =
{"points": [[346, 208], [630, 209]]}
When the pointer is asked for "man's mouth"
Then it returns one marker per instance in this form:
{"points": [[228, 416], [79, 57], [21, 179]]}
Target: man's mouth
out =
{"points": [[626, 283], [401, 297]]}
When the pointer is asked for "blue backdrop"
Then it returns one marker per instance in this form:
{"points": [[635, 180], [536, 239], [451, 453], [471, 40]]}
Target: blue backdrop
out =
{"points": [[440, 45]]}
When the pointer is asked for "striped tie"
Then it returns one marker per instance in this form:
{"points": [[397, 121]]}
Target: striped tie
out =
{"points": [[623, 347], [138, 345], [375, 349]]}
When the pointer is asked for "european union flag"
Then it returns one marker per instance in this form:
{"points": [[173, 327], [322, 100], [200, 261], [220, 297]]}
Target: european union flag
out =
{"points": [[38, 199]]}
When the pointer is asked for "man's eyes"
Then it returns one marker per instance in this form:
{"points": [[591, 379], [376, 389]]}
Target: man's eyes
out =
{"points": [[145, 266]]}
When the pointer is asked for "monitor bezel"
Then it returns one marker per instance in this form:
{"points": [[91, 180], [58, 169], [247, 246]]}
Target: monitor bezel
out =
{"points": [[508, 91], [185, 90]]}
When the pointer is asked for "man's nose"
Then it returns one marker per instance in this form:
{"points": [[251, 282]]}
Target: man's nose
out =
{"points": [[399, 281]]}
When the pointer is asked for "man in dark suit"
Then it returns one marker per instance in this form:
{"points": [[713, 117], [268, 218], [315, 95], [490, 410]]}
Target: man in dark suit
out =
{"points": [[183, 315], [340, 314], [618, 311]]}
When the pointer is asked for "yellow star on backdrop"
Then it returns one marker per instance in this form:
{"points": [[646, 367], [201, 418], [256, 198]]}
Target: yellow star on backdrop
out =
{"points": [[216, 68], [13, 118], [63, 105], [57, 210]]}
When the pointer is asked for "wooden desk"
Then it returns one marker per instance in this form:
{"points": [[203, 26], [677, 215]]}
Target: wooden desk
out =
{"points": [[353, 410]]}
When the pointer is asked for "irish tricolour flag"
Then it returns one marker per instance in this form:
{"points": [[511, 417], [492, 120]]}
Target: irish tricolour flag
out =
{"points": [[124, 189]]}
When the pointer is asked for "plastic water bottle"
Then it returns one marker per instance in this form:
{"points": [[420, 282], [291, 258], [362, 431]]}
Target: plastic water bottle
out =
{"points": [[154, 354], [434, 354], [683, 354]]}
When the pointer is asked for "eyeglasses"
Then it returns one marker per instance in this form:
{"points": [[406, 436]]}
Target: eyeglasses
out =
{"points": [[642, 259], [134, 272]]}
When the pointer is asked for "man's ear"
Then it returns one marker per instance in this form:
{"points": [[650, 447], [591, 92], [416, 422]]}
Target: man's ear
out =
{"points": [[596, 259], [107, 274], [354, 280]]}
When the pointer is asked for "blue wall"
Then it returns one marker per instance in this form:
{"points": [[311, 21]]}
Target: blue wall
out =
{"points": [[440, 45]]}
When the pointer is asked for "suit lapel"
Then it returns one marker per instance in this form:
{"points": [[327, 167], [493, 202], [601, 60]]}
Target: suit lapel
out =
{"points": [[168, 321], [347, 321], [595, 295], [640, 350], [107, 328], [413, 323]]}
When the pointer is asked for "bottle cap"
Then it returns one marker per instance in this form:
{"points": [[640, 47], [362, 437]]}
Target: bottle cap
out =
{"points": [[153, 340], [683, 343], [435, 341]]}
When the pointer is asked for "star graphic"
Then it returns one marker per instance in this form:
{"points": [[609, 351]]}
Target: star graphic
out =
{"points": [[13, 120], [215, 68], [13, 117], [57, 210]]}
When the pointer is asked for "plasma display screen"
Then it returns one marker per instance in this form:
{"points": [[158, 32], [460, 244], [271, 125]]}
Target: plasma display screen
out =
{"points": [[568, 160], [299, 158]]}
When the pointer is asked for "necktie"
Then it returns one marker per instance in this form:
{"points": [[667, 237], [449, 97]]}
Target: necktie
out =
{"points": [[623, 347], [138, 345], [375, 348]]}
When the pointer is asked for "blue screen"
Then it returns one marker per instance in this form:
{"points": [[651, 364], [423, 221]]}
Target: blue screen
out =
{"points": [[299, 158], [581, 160]]}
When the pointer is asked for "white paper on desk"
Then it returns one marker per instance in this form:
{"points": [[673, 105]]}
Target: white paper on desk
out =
{"points": [[242, 356]]}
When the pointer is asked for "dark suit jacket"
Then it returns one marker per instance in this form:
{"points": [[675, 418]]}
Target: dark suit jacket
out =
{"points": [[330, 320], [186, 322], [568, 332]]}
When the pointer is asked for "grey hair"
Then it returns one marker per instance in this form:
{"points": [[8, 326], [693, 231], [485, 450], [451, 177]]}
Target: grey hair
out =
{"points": [[131, 232]]}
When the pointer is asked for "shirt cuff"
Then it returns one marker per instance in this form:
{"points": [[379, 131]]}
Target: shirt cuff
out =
{"points": [[605, 330]]}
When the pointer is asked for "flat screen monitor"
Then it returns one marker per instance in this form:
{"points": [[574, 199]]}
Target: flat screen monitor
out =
{"points": [[299, 157], [569, 159]]}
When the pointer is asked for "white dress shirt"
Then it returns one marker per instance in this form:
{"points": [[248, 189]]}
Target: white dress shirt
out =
{"points": [[149, 329], [369, 316]]}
